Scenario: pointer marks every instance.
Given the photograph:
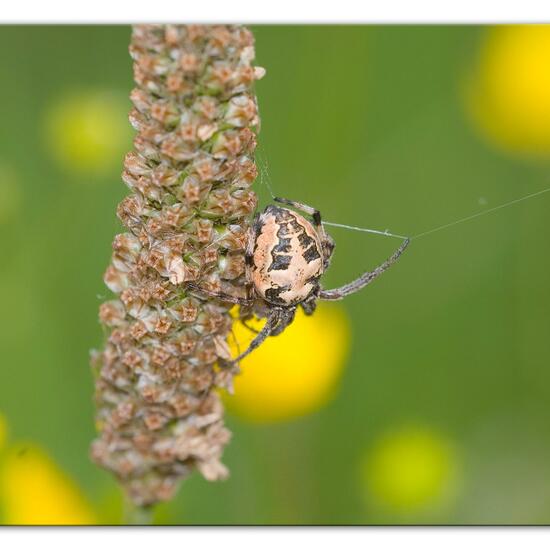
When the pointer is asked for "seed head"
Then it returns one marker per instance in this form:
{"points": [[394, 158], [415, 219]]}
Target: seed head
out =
{"points": [[187, 217]]}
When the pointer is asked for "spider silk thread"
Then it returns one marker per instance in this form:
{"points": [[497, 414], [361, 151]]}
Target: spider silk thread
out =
{"points": [[264, 179]]}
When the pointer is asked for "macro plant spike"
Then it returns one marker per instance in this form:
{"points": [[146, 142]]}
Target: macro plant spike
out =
{"points": [[158, 413]]}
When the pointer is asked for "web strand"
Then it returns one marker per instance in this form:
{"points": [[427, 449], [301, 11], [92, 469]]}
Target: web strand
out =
{"points": [[264, 172], [265, 180], [385, 233], [479, 214]]}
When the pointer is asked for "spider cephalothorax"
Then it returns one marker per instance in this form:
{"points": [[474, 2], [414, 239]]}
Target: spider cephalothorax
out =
{"points": [[286, 257]]}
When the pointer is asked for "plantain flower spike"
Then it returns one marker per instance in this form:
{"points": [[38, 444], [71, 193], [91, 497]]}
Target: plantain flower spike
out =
{"points": [[159, 416]]}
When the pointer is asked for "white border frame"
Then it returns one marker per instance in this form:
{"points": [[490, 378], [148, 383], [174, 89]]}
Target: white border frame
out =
{"points": [[279, 11], [270, 538]]}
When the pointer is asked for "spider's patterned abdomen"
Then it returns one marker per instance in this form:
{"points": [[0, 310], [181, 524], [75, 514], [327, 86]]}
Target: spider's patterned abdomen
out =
{"points": [[287, 259]]}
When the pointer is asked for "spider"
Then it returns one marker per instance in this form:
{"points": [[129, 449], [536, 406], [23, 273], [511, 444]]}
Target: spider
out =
{"points": [[285, 258]]}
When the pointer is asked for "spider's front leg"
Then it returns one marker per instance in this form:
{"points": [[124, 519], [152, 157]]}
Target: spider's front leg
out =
{"points": [[277, 320], [266, 331], [309, 305], [244, 322], [238, 300], [363, 280], [313, 212], [285, 316]]}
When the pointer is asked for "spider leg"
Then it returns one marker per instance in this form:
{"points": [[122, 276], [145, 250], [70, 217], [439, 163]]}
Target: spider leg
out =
{"points": [[313, 212], [285, 317], [309, 305], [260, 337], [244, 323], [221, 296], [363, 280], [249, 250]]}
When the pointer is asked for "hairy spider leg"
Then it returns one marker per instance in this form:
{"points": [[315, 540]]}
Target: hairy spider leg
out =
{"points": [[249, 251], [363, 280], [246, 302], [277, 321], [309, 305], [246, 325], [313, 212], [260, 337], [285, 316]]}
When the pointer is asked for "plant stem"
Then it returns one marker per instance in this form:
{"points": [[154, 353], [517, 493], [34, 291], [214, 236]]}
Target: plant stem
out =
{"points": [[138, 515]]}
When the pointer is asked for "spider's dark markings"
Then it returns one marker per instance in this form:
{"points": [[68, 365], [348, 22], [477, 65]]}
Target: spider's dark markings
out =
{"points": [[311, 254], [285, 258], [280, 262], [288, 226]]}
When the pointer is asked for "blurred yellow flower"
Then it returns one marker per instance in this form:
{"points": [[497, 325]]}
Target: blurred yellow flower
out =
{"points": [[35, 491], [292, 374], [88, 131], [10, 193], [508, 95], [410, 469]]}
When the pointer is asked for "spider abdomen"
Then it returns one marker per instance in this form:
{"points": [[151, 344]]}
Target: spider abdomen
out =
{"points": [[287, 259]]}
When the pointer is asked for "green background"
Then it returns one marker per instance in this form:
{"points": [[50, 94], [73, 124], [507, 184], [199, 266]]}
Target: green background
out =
{"points": [[368, 124]]}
